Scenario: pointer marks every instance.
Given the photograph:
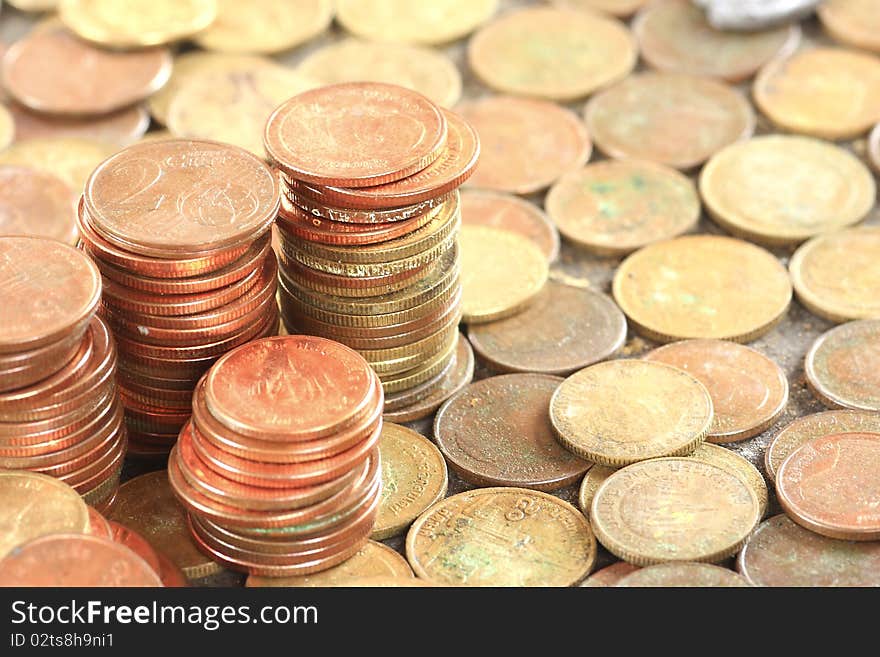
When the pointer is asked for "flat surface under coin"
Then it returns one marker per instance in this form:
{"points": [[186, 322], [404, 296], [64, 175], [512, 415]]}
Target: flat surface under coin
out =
{"points": [[683, 575], [843, 366]]}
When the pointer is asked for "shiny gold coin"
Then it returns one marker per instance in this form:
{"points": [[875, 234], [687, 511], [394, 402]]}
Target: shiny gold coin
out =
{"points": [[413, 478], [623, 411], [69, 158], [552, 53], [501, 272], [735, 464], [613, 7], [594, 478], [7, 127], [702, 286], [837, 276], [824, 92], [673, 509], [353, 60], [852, 22], [501, 537], [781, 189], [686, 574]]}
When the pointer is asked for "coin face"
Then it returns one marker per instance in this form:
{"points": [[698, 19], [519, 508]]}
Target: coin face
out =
{"points": [[815, 188], [623, 411], [590, 484], [37, 204], [617, 206], [121, 127], [70, 158], [702, 286], [829, 485], [825, 92], [501, 537], [836, 275], [736, 464], [673, 509], [499, 210], [686, 574], [843, 366], [852, 22], [544, 52], [673, 119], [610, 575], [613, 7], [782, 553]]}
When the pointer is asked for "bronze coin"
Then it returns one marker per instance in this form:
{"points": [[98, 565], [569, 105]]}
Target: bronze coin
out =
{"points": [[136, 543], [843, 366], [594, 478], [121, 127], [511, 213], [98, 524], [609, 575], [684, 574], [36, 204]]}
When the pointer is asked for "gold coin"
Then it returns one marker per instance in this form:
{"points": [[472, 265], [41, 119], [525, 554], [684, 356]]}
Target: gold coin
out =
{"points": [[825, 92], [7, 127], [413, 478], [35, 505], [673, 509], [405, 21], [685, 574], [34, 5], [837, 276], [702, 286], [501, 537], [558, 54], [372, 560], [69, 158], [781, 189], [853, 22], [428, 370], [735, 464], [623, 411], [403, 359], [353, 60], [874, 148], [590, 484], [613, 7], [136, 23], [501, 272]]}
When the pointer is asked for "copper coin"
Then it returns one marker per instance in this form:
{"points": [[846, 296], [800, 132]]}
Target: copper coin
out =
{"points": [[355, 134], [782, 553], [37, 204], [609, 575], [121, 127], [829, 485], [307, 198], [52, 71], [749, 391], [136, 543], [686, 574], [511, 213], [181, 197], [671, 119], [98, 524], [170, 574], [843, 366], [26, 368], [525, 145]]}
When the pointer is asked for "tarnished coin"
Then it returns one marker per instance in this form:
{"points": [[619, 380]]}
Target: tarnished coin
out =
{"points": [[749, 391], [501, 273], [837, 276], [824, 92], [552, 53], [687, 574], [70, 158], [736, 464], [830, 486], [782, 553], [852, 22], [617, 206], [843, 366], [413, 478], [702, 286], [35, 203], [543, 339], [7, 127], [122, 127], [673, 119], [594, 478], [781, 189], [501, 537], [673, 509], [609, 575], [623, 411], [499, 210], [613, 7]]}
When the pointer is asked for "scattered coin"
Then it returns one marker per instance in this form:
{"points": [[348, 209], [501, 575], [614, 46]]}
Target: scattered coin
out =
{"points": [[843, 366], [686, 574], [34, 5], [7, 127], [735, 464], [610, 575], [613, 7], [499, 210], [852, 22], [874, 147], [72, 159], [122, 127], [35, 203], [590, 484]]}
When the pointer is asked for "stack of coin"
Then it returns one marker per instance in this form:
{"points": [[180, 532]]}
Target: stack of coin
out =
{"points": [[368, 224], [279, 467], [180, 232], [60, 411]]}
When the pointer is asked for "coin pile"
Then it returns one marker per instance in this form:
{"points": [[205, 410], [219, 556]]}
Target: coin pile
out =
{"points": [[60, 411], [279, 467], [180, 232], [368, 224]]}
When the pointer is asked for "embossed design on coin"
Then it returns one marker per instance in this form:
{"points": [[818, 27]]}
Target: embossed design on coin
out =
{"points": [[843, 366], [685, 574], [498, 210], [735, 464]]}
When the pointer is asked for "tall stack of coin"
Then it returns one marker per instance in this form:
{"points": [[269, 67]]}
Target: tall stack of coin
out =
{"points": [[180, 232], [279, 467], [368, 224], [60, 411]]}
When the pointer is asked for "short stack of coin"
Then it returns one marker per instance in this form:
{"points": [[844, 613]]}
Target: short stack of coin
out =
{"points": [[279, 467], [180, 232], [61, 415], [368, 225]]}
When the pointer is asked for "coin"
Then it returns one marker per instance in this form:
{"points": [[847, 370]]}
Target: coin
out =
{"points": [[874, 147], [836, 276], [540, 339], [675, 36], [749, 391], [414, 67], [852, 22], [735, 464], [525, 145], [37, 204], [34, 5], [673, 509], [412, 22], [7, 127], [615, 207], [501, 537], [668, 118], [843, 366], [70, 158], [609, 575], [829, 485], [781, 553], [499, 210], [692, 287], [816, 188], [542, 52], [590, 484], [501, 273], [613, 7], [825, 92], [121, 127], [685, 574], [265, 26]]}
